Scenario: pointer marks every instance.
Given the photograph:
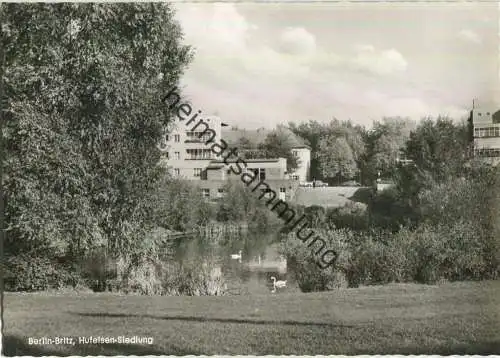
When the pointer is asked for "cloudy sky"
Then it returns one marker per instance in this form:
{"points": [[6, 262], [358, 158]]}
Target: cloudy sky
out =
{"points": [[264, 64]]}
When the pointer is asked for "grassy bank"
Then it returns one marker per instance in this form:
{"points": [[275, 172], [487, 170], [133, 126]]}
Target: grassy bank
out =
{"points": [[458, 318]]}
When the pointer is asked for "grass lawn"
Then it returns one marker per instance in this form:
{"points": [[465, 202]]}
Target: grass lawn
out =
{"points": [[455, 318]]}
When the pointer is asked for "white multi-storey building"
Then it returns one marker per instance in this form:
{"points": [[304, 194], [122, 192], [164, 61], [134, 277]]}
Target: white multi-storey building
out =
{"points": [[185, 152], [485, 118]]}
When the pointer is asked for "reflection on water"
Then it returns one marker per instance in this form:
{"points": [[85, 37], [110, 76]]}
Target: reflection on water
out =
{"points": [[249, 273]]}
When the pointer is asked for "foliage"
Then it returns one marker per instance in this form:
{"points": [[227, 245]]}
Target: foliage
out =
{"points": [[239, 203], [28, 273], [301, 258], [315, 215], [352, 216], [83, 86], [336, 158], [181, 206], [439, 148], [315, 132], [278, 145]]}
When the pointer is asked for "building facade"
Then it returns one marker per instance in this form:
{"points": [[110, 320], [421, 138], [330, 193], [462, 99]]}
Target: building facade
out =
{"points": [[271, 173], [485, 124], [299, 147], [303, 153], [186, 154]]}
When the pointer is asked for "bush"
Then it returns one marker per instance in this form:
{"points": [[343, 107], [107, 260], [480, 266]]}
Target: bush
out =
{"points": [[352, 216], [26, 273], [303, 261], [152, 276]]}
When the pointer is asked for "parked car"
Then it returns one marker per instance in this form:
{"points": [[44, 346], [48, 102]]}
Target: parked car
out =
{"points": [[320, 184], [307, 184]]}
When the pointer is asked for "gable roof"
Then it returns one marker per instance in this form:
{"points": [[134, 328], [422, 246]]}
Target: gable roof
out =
{"points": [[257, 136]]}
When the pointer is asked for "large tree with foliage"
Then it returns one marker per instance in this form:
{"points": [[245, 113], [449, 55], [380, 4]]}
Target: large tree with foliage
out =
{"points": [[83, 89], [278, 144], [439, 147], [384, 143], [315, 133], [336, 158]]}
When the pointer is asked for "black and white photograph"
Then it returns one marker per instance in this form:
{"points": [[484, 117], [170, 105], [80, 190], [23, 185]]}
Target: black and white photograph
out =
{"points": [[250, 178]]}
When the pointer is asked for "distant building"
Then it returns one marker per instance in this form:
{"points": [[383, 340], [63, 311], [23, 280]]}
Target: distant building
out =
{"points": [[269, 171], [187, 156], [300, 148], [485, 129]]}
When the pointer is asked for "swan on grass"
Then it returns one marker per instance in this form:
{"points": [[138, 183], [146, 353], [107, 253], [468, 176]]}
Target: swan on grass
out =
{"points": [[277, 284]]}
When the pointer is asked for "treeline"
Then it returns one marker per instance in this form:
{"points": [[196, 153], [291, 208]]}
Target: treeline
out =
{"points": [[440, 220]]}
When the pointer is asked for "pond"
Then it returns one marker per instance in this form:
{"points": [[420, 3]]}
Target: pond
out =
{"points": [[247, 261]]}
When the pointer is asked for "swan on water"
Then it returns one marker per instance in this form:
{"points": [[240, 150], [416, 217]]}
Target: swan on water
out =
{"points": [[237, 256]]}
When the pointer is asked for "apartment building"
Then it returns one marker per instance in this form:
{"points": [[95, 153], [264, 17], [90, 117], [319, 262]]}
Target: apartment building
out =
{"points": [[188, 157], [485, 123], [185, 153]]}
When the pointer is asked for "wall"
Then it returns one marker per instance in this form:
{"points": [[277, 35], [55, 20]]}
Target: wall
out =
{"points": [[186, 165], [304, 156]]}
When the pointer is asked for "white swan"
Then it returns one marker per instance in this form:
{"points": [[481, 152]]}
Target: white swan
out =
{"points": [[277, 284], [237, 256]]}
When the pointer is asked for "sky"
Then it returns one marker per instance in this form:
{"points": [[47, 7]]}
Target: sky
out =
{"points": [[259, 65]]}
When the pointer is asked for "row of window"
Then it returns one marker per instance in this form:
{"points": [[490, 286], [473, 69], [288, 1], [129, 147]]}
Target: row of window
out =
{"points": [[487, 132], [488, 152], [192, 154], [198, 136], [199, 154], [258, 172], [197, 172], [479, 114]]}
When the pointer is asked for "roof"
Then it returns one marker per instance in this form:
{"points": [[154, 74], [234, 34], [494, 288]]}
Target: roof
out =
{"points": [[257, 136]]}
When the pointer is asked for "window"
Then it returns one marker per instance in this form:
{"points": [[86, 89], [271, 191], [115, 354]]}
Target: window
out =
{"points": [[199, 154], [220, 193], [177, 138], [488, 152], [197, 172], [166, 155], [258, 172], [177, 155], [295, 153], [282, 190], [295, 177], [166, 137], [205, 193], [177, 172]]}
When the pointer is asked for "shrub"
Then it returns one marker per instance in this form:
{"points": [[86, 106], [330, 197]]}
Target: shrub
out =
{"points": [[303, 261], [27, 273], [352, 216]]}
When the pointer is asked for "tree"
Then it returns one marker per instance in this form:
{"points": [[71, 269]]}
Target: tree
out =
{"points": [[336, 159], [278, 145], [313, 132], [83, 88], [384, 143], [439, 147]]}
